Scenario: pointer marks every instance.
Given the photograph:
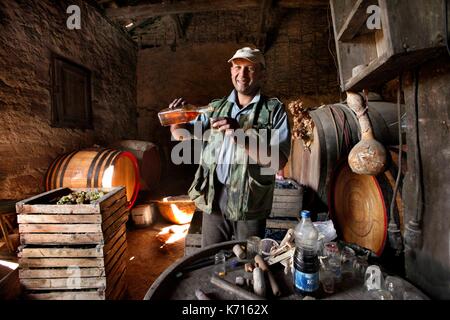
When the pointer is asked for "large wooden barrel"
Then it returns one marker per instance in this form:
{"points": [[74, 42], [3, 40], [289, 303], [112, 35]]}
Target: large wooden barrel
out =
{"points": [[336, 131], [95, 168], [149, 161], [360, 205]]}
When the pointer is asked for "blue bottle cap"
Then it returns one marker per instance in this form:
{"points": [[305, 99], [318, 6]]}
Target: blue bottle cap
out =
{"points": [[305, 214]]}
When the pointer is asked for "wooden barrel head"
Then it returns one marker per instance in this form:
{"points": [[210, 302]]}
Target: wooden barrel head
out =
{"points": [[95, 168], [126, 173], [359, 210], [149, 161]]}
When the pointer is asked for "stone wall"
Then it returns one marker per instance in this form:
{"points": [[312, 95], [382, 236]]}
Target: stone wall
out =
{"points": [[194, 66], [30, 32]]}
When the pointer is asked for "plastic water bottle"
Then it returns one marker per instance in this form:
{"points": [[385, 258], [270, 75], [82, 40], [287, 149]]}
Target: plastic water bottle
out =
{"points": [[306, 261]]}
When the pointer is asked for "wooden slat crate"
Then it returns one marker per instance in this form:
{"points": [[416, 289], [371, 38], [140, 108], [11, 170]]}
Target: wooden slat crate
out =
{"points": [[286, 206], [73, 251]]}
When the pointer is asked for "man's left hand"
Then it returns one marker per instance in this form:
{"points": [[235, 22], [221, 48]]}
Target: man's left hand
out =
{"points": [[225, 124]]}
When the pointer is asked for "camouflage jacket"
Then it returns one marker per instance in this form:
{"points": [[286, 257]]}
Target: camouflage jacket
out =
{"points": [[250, 193]]}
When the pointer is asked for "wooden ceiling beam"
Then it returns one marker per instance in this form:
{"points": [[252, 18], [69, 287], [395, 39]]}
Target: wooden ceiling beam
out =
{"points": [[178, 26], [104, 1], [137, 24], [266, 6], [194, 6], [302, 4]]}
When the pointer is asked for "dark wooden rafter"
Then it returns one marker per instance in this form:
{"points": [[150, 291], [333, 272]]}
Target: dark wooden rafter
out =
{"points": [[139, 23], [178, 26], [194, 6], [113, 5], [266, 6]]}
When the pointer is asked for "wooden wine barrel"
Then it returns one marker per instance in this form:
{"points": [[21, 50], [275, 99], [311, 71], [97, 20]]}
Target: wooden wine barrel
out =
{"points": [[149, 161], [95, 168], [360, 205], [336, 131]]}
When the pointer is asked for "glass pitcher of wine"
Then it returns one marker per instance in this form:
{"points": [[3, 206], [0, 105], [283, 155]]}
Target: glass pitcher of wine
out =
{"points": [[181, 114]]}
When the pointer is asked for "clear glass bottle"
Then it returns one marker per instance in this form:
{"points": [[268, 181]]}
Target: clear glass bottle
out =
{"points": [[331, 251], [181, 114], [220, 264]]}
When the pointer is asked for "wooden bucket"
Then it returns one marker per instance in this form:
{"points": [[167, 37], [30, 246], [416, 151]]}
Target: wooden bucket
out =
{"points": [[336, 131], [95, 168], [149, 161], [360, 205]]}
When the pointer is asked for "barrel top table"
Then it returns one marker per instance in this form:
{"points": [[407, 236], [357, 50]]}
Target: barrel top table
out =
{"points": [[180, 281]]}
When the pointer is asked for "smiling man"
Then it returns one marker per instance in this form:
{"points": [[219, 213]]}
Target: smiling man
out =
{"points": [[249, 132]]}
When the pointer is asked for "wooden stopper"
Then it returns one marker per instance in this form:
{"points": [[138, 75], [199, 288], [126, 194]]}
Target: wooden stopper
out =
{"points": [[259, 285], [260, 263], [201, 295], [248, 267], [240, 281], [225, 285], [238, 251]]}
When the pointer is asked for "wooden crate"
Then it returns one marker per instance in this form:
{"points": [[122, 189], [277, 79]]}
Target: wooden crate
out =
{"points": [[410, 33], [73, 251], [286, 206]]}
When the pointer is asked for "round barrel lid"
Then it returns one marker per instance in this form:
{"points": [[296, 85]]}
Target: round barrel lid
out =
{"points": [[359, 210]]}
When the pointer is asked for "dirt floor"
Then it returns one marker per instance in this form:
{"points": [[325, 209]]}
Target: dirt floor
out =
{"points": [[148, 258]]}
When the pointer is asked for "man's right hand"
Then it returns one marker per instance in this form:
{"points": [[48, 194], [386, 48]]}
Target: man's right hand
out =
{"points": [[177, 103]]}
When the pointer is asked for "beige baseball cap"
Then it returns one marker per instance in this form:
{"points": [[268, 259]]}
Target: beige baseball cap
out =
{"points": [[253, 55]]}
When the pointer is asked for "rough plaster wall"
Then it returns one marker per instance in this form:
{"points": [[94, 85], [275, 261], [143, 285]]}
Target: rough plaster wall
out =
{"points": [[299, 63], [30, 32]]}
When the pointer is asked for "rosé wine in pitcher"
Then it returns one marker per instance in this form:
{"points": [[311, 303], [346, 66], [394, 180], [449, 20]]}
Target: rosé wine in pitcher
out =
{"points": [[182, 114]]}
